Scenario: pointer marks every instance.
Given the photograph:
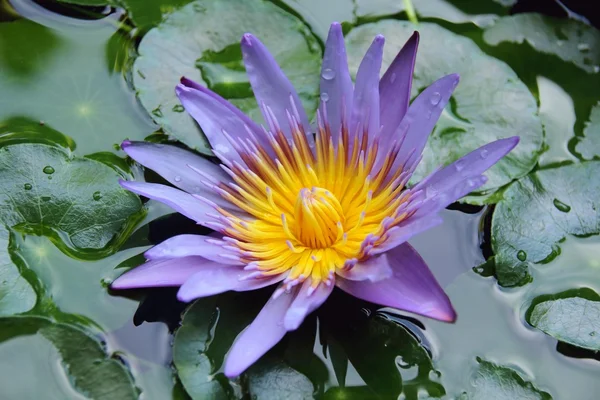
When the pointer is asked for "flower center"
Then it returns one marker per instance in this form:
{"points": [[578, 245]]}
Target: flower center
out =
{"points": [[319, 218]]}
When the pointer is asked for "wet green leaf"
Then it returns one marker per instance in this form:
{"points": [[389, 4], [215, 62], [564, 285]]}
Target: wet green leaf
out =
{"points": [[91, 371], [201, 41], [537, 212], [493, 381], [77, 202], [570, 40], [489, 103], [572, 317], [59, 77], [274, 380], [16, 294], [588, 146]]}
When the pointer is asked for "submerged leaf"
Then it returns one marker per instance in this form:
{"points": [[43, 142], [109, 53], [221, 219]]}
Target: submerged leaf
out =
{"points": [[16, 294], [572, 317], [588, 146]]}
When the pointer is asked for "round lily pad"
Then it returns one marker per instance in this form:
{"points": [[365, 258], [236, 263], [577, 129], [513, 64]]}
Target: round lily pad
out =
{"points": [[201, 41], [489, 103]]}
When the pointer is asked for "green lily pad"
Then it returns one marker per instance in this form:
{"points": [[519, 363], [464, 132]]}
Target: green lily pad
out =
{"points": [[59, 77], [91, 371], [569, 39], [201, 41], [274, 380], [537, 212], [493, 381], [489, 103], [588, 146], [76, 202], [16, 294], [572, 317]]}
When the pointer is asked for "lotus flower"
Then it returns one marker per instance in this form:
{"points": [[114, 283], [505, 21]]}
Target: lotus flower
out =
{"points": [[308, 209]]}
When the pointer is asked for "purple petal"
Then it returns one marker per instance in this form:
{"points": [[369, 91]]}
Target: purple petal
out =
{"points": [[370, 270], [219, 279], [421, 117], [336, 82], [470, 166], [307, 301], [177, 166], [214, 118], [365, 104], [413, 287], [401, 233], [178, 200], [395, 85], [260, 336], [160, 273], [194, 245], [270, 85]]}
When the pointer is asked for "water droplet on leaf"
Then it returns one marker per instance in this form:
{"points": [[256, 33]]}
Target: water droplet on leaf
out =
{"points": [[593, 333], [435, 98], [27, 186], [521, 255], [157, 112], [560, 206], [97, 196], [46, 198], [328, 74], [48, 170], [583, 47], [178, 108]]}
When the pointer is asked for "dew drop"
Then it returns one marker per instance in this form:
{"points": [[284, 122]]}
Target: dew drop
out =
{"points": [[157, 112], [324, 96], [48, 170], [45, 198], [596, 68], [484, 153], [97, 195], [177, 178], [50, 177], [27, 186], [393, 77], [521, 255], [178, 108], [328, 74], [435, 98], [583, 47], [593, 333], [401, 363], [560, 206], [459, 165], [116, 146]]}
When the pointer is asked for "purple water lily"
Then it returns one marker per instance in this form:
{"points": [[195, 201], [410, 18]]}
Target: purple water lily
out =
{"points": [[308, 211]]}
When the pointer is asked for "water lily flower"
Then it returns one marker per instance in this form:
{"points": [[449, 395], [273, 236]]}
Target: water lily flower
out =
{"points": [[308, 209]]}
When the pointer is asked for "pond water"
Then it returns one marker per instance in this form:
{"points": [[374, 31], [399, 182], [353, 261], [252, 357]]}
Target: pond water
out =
{"points": [[72, 89]]}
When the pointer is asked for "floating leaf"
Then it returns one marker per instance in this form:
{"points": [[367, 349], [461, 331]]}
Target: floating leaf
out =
{"points": [[569, 39], [537, 212], [489, 103], [572, 317], [492, 381], [274, 380], [589, 145], [77, 202], [62, 78], [16, 294], [201, 41], [92, 372]]}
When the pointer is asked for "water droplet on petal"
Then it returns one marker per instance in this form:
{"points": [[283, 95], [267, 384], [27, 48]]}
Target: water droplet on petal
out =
{"points": [[27, 186], [48, 170], [560, 206], [459, 165], [435, 98], [222, 149], [97, 196], [521, 255], [393, 77], [484, 153], [177, 178], [324, 96], [328, 74]]}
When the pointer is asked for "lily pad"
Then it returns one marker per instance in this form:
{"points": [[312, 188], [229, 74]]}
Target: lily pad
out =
{"points": [[572, 317], [489, 103], [59, 77], [93, 373], [274, 380], [201, 41], [76, 202], [16, 294], [569, 39], [537, 212], [588, 146], [493, 381]]}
